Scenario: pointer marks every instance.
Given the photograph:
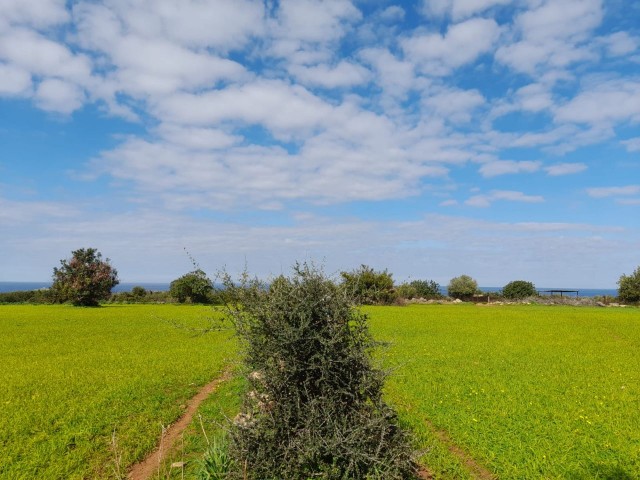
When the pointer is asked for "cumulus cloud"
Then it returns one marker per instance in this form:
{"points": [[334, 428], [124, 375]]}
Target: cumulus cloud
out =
{"points": [[603, 192], [14, 80], [59, 96], [462, 43], [606, 102], [459, 9], [344, 74], [565, 169], [454, 105], [632, 144], [504, 167], [552, 35], [485, 200]]}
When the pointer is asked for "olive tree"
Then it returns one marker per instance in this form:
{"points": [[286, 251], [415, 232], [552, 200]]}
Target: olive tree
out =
{"points": [[629, 287], [84, 279], [462, 286]]}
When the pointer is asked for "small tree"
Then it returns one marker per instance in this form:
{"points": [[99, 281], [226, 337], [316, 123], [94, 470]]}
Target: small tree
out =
{"points": [[368, 286], [313, 406], [194, 287], [462, 287], [85, 279], [519, 289], [629, 287]]}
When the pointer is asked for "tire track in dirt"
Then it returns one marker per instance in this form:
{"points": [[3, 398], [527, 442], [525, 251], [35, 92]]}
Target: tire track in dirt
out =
{"points": [[144, 469]]}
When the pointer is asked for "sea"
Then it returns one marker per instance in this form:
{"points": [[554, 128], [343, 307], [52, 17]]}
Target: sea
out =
{"points": [[121, 287], [163, 287]]}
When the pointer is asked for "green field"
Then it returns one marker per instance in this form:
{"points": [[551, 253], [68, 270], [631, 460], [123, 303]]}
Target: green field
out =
{"points": [[525, 391], [71, 377]]}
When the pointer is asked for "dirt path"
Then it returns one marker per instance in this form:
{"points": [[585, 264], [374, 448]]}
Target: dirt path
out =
{"points": [[144, 469]]}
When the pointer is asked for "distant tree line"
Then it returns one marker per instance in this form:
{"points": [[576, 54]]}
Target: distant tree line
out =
{"points": [[86, 279]]}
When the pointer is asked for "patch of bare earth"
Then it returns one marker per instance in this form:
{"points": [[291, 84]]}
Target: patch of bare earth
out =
{"points": [[145, 469]]}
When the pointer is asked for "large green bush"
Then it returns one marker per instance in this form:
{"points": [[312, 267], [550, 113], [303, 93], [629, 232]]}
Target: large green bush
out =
{"points": [[629, 287], [193, 287], [462, 287], [518, 289], [419, 289], [369, 286], [314, 405], [85, 279]]}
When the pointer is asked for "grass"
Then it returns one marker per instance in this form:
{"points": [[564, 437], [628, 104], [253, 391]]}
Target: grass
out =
{"points": [[527, 391], [85, 392]]}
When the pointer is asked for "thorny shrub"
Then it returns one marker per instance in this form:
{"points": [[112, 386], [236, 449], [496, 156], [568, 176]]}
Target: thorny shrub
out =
{"points": [[313, 407]]}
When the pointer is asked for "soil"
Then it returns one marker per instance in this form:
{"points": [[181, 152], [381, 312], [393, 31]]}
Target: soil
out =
{"points": [[147, 467]]}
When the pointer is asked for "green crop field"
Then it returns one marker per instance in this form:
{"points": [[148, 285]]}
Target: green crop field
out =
{"points": [[521, 391], [526, 391], [85, 392]]}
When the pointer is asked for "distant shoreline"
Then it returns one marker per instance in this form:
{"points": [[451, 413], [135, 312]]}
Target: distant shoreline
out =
{"points": [[163, 287]]}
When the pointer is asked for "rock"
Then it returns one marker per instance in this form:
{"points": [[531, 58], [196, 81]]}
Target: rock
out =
{"points": [[600, 304], [178, 464], [457, 300]]}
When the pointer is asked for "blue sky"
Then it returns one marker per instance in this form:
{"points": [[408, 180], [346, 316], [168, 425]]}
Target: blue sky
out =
{"points": [[494, 138]]}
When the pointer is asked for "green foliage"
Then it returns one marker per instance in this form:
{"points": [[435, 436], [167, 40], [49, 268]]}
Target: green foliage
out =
{"points": [[368, 286], [519, 289], [217, 462], [138, 291], [314, 408], [193, 287], [419, 289], [85, 279], [136, 296], [629, 287], [27, 296], [462, 287]]}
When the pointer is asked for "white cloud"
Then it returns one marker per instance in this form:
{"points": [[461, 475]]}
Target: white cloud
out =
{"points": [[394, 76], [484, 201], [38, 55], [344, 74], [393, 13], [14, 80], [565, 169], [632, 144], [197, 138], [282, 108], [36, 13], [315, 20], [609, 101], [459, 9], [620, 43], [454, 105], [462, 43], [504, 167], [534, 97], [59, 96], [552, 35], [603, 192], [189, 23]]}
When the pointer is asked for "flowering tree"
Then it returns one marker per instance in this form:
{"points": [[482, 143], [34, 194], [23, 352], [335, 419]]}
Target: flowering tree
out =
{"points": [[85, 279]]}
